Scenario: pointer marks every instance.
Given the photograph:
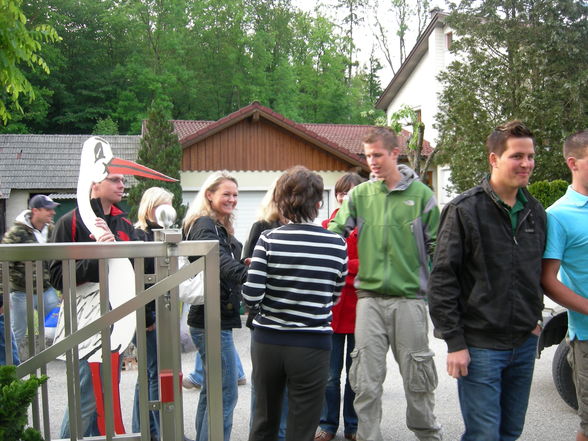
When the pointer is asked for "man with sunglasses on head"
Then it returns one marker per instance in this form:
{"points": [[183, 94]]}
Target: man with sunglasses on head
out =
{"points": [[105, 196]]}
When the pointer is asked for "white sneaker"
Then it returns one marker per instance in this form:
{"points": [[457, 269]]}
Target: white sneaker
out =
{"points": [[189, 384]]}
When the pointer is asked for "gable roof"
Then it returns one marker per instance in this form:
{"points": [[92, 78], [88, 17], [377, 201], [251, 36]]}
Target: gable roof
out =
{"points": [[342, 140], [412, 60], [51, 162]]}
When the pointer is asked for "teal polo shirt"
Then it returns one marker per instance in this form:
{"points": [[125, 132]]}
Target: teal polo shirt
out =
{"points": [[567, 241]]}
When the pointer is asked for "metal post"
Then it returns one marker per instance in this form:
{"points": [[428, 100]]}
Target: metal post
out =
{"points": [[168, 357]]}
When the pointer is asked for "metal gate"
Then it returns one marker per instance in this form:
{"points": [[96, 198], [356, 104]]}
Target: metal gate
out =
{"points": [[164, 289]]}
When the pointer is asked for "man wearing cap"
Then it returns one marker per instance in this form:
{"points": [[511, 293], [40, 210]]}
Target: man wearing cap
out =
{"points": [[31, 226]]}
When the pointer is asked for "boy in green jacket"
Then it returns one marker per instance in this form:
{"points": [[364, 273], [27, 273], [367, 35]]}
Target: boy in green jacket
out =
{"points": [[396, 217]]}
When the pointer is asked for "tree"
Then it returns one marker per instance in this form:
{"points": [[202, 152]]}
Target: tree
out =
{"points": [[514, 59], [351, 20], [105, 126], [407, 117], [161, 151], [404, 15], [19, 46]]}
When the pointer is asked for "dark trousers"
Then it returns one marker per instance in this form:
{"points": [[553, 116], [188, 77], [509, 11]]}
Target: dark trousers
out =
{"points": [[305, 372]]}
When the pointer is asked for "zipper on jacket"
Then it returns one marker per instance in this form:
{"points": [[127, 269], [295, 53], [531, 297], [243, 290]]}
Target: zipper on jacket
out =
{"points": [[521, 221]]}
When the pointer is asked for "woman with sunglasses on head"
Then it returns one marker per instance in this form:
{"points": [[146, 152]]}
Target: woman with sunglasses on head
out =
{"points": [[210, 217]]}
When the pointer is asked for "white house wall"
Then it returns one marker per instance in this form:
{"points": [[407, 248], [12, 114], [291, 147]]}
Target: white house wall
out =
{"points": [[422, 88], [421, 91]]}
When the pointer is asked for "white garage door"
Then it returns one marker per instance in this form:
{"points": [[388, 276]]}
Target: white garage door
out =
{"points": [[248, 206]]}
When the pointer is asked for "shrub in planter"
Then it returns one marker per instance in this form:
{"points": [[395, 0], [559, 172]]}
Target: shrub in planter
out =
{"points": [[15, 397]]}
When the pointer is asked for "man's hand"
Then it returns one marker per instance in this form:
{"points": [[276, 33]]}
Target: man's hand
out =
{"points": [[457, 363], [107, 236]]}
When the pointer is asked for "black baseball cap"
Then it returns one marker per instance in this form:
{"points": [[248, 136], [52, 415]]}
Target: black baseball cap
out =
{"points": [[42, 201]]}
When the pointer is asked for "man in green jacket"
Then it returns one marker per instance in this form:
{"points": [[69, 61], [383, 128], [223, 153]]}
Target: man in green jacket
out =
{"points": [[397, 217]]}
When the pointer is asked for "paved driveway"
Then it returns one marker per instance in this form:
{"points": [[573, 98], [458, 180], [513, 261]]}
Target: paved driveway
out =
{"points": [[548, 418]]}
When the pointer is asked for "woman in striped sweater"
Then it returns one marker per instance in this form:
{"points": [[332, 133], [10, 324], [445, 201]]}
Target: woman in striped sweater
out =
{"points": [[296, 275]]}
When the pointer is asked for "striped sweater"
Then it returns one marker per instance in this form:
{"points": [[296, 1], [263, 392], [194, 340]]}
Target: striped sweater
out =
{"points": [[296, 275]]}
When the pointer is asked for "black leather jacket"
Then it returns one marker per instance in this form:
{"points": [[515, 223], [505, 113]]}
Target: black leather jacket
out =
{"points": [[484, 289], [232, 273]]}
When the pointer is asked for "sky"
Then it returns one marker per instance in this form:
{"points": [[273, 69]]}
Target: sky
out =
{"points": [[364, 37]]}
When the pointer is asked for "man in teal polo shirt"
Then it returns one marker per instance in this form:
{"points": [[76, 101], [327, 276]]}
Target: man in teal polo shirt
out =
{"points": [[485, 297], [566, 253]]}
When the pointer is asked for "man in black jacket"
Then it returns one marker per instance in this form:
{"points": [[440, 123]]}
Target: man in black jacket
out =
{"points": [[485, 297], [70, 228]]}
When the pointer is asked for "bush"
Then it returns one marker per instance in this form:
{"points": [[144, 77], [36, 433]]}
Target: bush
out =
{"points": [[547, 192], [16, 395]]}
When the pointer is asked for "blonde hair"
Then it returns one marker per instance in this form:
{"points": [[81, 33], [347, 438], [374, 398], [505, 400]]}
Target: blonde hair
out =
{"points": [[268, 209], [152, 198], [200, 205]]}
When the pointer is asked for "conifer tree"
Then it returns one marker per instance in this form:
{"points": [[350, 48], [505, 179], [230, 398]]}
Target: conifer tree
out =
{"points": [[161, 151]]}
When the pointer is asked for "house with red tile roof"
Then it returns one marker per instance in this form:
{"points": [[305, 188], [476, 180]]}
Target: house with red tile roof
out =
{"points": [[256, 144]]}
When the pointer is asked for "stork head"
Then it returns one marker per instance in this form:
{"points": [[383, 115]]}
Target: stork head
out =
{"points": [[97, 162]]}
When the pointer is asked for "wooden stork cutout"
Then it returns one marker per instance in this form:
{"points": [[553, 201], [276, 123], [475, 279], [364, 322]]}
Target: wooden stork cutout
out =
{"points": [[96, 163]]}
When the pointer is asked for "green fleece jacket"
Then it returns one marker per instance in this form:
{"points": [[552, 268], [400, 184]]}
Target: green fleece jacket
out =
{"points": [[397, 230]]}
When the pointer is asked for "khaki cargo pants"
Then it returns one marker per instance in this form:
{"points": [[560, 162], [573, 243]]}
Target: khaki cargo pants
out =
{"points": [[402, 325]]}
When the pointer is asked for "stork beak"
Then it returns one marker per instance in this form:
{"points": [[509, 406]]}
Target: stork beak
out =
{"points": [[123, 167]]}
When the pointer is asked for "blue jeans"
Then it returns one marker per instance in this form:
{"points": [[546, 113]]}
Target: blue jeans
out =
{"points": [[229, 384], [15, 359], [331, 409], [18, 310], [197, 375], [153, 386], [87, 405], [495, 393]]}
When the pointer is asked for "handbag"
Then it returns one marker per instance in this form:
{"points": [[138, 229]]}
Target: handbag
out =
{"points": [[191, 289]]}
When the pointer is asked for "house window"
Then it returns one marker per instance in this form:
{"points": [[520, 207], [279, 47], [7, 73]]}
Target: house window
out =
{"points": [[448, 40]]}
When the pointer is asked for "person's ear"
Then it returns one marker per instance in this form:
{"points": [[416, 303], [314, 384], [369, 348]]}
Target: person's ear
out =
{"points": [[492, 159]]}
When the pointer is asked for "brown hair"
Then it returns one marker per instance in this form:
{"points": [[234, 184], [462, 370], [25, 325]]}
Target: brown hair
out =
{"points": [[347, 182], [496, 141], [388, 137], [298, 193], [575, 145]]}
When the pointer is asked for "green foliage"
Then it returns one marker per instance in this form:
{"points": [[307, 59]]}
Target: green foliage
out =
{"points": [[105, 126], [207, 58], [19, 45], [161, 151], [514, 59], [547, 192], [16, 395]]}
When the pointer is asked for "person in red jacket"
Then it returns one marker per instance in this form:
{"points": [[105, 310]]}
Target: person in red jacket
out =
{"points": [[343, 330]]}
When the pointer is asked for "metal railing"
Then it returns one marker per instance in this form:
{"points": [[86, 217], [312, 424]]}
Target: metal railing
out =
{"points": [[163, 289]]}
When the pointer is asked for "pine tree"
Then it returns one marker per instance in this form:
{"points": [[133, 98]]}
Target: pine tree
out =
{"points": [[514, 59], [161, 151]]}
